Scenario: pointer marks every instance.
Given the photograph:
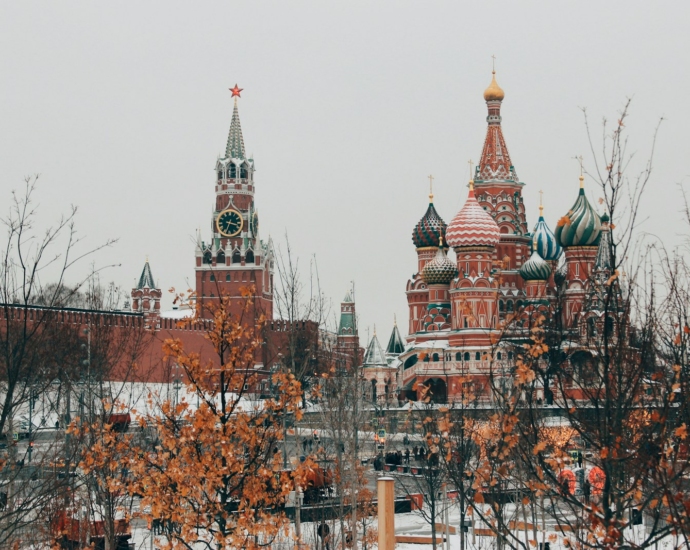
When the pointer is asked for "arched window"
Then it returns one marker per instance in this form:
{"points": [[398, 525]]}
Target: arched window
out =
{"points": [[220, 174], [467, 356], [477, 356], [373, 391], [510, 305], [220, 257], [232, 170], [243, 171], [249, 258], [510, 355], [435, 358], [501, 305], [410, 361], [236, 258], [207, 257], [426, 358], [213, 277], [499, 356], [458, 356], [227, 278]]}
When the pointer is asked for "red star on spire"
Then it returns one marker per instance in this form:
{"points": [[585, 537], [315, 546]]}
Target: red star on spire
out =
{"points": [[236, 91]]}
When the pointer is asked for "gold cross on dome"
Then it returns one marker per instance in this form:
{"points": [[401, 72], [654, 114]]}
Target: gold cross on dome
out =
{"points": [[431, 187], [493, 63], [541, 203], [471, 164], [581, 164]]}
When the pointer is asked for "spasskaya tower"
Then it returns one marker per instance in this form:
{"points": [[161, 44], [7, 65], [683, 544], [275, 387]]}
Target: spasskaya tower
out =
{"points": [[235, 258]]}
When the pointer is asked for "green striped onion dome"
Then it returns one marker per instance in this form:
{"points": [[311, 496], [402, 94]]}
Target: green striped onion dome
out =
{"points": [[535, 269], [439, 271], [430, 229], [581, 226]]}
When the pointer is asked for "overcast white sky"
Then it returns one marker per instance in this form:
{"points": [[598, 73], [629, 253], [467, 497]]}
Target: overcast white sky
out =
{"points": [[123, 107]]}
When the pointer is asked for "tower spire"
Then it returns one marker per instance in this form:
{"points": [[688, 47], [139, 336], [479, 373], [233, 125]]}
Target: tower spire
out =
{"points": [[495, 163], [235, 145]]}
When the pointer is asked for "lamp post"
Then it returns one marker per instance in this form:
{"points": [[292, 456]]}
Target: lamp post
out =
{"points": [[177, 384], [282, 414]]}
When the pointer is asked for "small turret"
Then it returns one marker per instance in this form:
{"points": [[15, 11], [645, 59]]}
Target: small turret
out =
{"points": [[146, 298]]}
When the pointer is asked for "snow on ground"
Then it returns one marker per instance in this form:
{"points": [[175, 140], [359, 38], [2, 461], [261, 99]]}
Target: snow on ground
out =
{"points": [[414, 524]]}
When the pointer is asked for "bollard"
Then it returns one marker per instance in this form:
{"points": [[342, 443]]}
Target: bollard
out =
{"points": [[386, 512]]}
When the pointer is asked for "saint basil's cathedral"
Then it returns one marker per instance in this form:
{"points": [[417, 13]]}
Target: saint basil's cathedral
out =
{"points": [[459, 309]]}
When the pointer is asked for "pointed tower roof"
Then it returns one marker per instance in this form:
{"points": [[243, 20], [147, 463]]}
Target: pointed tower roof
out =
{"points": [[604, 259], [395, 342], [495, 163], [146, 278], [348, 321], [235, 147], [374, 356]]}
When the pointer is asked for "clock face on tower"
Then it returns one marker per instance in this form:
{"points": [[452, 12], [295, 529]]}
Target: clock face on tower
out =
{"points": [[229, 222]]}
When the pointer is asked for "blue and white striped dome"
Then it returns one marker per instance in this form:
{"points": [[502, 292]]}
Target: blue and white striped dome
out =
{"points": [[544, 241]]}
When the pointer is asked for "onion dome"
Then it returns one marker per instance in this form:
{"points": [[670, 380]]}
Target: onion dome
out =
{"points": [[535, 269], [430, 229], [581, 226], [441, 270], [544, 241], [494, 92], [472, 226]]}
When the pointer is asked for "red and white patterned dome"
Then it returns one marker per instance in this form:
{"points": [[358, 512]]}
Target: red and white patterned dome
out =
{"points": [[472, 226]]}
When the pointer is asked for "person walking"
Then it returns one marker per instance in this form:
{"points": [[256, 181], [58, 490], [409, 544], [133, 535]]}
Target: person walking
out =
{"points": [[407, 455]]}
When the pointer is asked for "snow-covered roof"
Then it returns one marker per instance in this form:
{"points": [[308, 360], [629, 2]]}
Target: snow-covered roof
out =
{"points": [[374, 356]]}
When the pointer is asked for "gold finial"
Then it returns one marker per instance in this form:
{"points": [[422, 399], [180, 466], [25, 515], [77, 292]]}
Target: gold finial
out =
{"points": [[147, 258], [440, 241], [374, 330], [494, 92], [431, 188], [471, 177], [541, 203]]}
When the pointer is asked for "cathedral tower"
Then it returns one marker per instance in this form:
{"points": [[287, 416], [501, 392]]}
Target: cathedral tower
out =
{"points": [[499, 191], [474, 235], [235, 258], [579, 233], [427, 237]]}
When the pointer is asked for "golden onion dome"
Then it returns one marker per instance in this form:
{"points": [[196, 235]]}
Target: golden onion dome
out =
{"points": [[494, 92]]}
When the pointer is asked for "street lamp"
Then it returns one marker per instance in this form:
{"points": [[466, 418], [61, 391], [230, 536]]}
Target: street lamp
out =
{"points": [[177, 384]]}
